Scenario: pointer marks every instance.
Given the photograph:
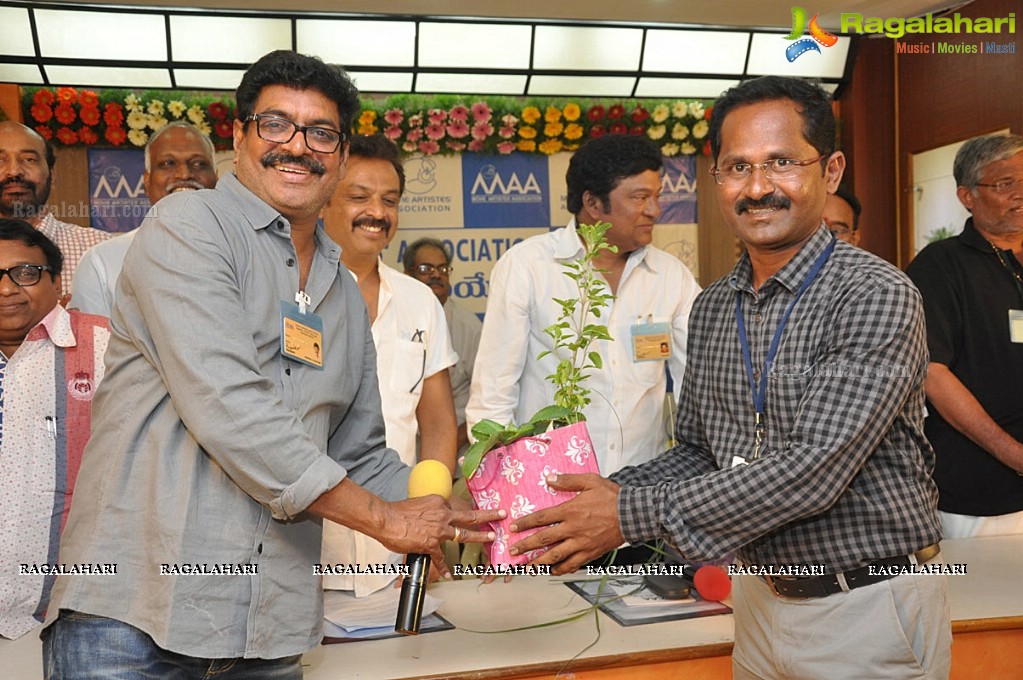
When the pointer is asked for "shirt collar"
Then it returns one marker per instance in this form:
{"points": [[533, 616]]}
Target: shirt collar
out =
{"points": [[254, 209], [973, 238], [568, 246], [795, 270], [56, 326]]}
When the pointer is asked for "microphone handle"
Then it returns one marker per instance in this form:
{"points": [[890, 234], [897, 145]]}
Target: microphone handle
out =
{"points": [[413, 594]]}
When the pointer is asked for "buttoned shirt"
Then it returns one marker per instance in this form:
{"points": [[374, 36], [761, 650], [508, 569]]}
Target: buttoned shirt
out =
{"points": [[845, 476], [73, 241], [509, 383], [209, 443], [96, 278], [465, 329], [411, 339], [48, 385]]}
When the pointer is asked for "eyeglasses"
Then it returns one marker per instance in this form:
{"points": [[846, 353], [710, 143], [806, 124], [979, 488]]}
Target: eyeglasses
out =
{"points": [[427, 269], [26, 274], [1002, 187], [776, 168], [281, 131], [841, 232]]}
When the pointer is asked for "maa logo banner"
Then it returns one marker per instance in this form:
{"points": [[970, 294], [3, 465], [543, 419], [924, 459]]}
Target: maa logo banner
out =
{"points": [[678, 190], [117, 197], [505, 191]]}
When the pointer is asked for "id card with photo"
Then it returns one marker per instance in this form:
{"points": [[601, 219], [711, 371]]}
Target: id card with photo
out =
{"points": [[1016, 326], [651, 341], [301, 335]]}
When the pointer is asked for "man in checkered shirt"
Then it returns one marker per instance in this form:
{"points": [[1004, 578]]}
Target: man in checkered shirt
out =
{"points": [[26, 175], [838, 475]]}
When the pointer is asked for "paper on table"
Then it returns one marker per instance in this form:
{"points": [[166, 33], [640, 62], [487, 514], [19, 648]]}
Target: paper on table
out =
{"points": [[378, 610]]}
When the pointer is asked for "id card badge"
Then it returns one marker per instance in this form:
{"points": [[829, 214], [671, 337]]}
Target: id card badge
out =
{"points": [[301, 335], [651, 340], [1016, 326]]}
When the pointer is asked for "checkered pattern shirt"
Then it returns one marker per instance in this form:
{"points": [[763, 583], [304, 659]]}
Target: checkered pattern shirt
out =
{"points": [[73, 241], [845, 475]]}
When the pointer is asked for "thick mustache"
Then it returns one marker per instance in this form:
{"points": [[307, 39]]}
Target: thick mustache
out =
{"points": [[310, 164], [769, 201], [371, 222], [31, 186]]}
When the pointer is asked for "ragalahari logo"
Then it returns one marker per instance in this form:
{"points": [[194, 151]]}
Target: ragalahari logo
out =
{"points": [[804, 45]]}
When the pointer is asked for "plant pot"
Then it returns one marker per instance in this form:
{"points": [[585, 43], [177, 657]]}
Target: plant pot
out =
{"points": [[514, 477]]}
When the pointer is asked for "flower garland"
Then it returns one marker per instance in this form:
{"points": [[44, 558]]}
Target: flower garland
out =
{"points": [[416, 123]]}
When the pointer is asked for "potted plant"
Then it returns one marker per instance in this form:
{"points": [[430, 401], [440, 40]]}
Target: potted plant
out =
{"points": [[508, 465]]}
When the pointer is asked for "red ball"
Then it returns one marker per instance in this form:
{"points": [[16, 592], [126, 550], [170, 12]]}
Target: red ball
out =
{"points": [[712, 583]]}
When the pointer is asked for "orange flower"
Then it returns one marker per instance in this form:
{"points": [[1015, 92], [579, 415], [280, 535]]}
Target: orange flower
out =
{"points": [[526, 145], [550, 146], [116, 135], [553, 129], [90, 115], [43, 97], [572, 112], [552, 115], [530, 114], [65, 114], [41, 113], [526, 132], [88, 98], [44, 132], [87, 136], [67, 94], [112, 114], [573, 131], [67, 136]]}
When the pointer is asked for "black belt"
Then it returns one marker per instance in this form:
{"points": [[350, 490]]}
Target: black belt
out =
{"points": [[829, 584]]}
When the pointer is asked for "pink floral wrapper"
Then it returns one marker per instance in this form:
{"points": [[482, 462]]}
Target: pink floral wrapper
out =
{"points": [[514, 477]]}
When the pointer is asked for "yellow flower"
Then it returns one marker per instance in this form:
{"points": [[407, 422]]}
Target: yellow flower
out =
{"points": [[550, 146], [669, 149], [552, 115], [137, 137], [196, 115], [205, 128], [553, 129], [155, 107], [572, 112], [366, 118], [526, 145], [137, 121], [679, 109], [573, 130], [176, 108], [688, 149], [656, 131], [696, 109], [132, 103], [526, 132], [660, 113], [367, 129], [157, 122], [530, 114], [700, 129], [679, 131]]}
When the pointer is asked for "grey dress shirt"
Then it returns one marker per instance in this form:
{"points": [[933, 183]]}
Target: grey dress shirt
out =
{"points": [[846, 476], [208, 444]]}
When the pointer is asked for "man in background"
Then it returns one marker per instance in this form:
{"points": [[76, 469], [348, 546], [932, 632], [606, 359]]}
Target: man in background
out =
{"points": [[26, 177], [616, 179], [178, 157], [51, 361], [409, 333], [429, 260], [972, 285], [842, 215]]}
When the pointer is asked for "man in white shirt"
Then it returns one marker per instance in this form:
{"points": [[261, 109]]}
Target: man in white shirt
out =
{"points": [[429, 260], [616, 179], [409, 333], [178, 157]]}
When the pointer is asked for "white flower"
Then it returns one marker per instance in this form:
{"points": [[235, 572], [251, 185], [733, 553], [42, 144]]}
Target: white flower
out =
{"points": [[488, 499], [670, 149], [137, 137], [700, 129], [176, 108], [155, 107], [521, 507], [512, 469], [680, 131], [536, 445], [696, 109], [157, 123], [205, 128], [660, 113], [688, 149], [656, 131], [679, 109], [196, 115], [578, 450], [137, 120], [132, 103], [409, 147]]}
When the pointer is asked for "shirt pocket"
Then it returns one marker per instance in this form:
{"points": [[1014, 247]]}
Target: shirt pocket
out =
{"points": [[409, 368]]}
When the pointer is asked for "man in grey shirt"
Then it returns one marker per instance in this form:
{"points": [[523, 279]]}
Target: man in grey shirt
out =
{"points": [[224, 436]]}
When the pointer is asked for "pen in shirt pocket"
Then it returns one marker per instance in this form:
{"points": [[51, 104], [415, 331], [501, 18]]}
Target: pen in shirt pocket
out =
{"points": [[51, 427]]}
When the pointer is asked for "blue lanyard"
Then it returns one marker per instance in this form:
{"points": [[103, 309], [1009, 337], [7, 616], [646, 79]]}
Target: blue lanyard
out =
{"points": [[760, 391]]}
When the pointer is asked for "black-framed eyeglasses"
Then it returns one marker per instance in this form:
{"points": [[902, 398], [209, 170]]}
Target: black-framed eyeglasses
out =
{"points": [[281, 131], [25, 274], [427, 269], [776, 168], [1003, 187]]}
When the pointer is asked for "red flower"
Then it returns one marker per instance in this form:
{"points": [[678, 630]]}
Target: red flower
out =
{"points": [[67, 136], [637, 130], [615, 112], [87, 136], [707, 112], [706, 148], [43, 97], [67, 94], [597, 131], [41, 112], [639, 114], [618, 128], [44, 132], [223, 128], [217, 111], [90, 115], [65, 114], [116, 135], [88, 98], [595, 113], [112, 114]]}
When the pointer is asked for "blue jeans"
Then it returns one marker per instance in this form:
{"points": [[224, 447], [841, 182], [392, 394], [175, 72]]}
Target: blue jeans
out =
{"points": [[85, 647]]}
